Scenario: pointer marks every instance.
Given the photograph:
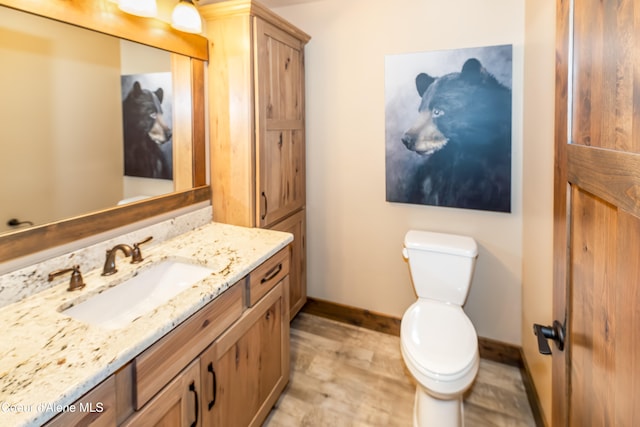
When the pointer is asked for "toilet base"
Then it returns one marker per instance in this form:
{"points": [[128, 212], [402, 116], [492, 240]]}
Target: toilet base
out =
{"points": [[431, 412]]}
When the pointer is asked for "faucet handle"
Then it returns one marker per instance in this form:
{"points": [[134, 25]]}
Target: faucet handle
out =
{"points": [[75, 282], [136, 255]]}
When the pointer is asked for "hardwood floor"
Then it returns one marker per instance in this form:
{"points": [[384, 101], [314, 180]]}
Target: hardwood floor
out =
{"points": [[343, 375]]}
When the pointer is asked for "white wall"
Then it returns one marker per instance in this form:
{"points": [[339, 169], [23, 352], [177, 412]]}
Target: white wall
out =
{"points": [[537, 280], [58, 157], [354, 236]]}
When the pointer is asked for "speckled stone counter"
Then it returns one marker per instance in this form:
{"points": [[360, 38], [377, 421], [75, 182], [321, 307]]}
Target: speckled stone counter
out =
{"points": [[48, 359]]}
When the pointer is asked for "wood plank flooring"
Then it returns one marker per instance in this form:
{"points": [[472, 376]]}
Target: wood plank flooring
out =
{"points": [[343, 375]]}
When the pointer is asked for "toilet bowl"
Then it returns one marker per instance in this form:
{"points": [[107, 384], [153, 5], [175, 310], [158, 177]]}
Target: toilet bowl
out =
{"points": [[438, 341]]}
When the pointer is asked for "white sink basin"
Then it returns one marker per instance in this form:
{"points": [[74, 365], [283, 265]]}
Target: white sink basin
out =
{"points": [[120, 305]]}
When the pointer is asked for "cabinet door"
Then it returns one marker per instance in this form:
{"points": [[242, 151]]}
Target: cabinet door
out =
{"points": [[155, 367], [246, 369], [175, 405], [280, 130], [281, 176], [296, 225]]}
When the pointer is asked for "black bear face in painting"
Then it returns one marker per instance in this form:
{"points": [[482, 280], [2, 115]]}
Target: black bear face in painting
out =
{"points": [[143, 114], [466, 107], [463, 134], [144, 132]]}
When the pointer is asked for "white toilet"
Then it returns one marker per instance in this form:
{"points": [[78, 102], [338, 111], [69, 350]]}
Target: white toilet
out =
{"points": [[439, 343]]}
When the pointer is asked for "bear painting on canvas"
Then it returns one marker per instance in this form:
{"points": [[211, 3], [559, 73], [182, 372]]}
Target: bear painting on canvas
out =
{"points": [[448, 133], [147, 125]]}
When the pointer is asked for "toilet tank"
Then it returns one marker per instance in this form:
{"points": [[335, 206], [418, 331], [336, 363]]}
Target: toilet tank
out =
{"points": [[441, 264]]}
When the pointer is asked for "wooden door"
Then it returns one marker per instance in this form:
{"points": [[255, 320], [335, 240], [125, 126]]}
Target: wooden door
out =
{"points": [[596, 380], [295, 225], [246, 369], [280, 154], [178, 404]]}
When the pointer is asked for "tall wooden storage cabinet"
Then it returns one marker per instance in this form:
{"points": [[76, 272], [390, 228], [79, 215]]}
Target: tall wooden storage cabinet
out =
{"points": [[257, 124]]}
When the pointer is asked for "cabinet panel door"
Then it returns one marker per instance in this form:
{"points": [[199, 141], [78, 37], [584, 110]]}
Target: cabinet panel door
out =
{"points": [[282, 180], [245, 370], [178, 404], [280, 129], [280, 73], [296, 225]]}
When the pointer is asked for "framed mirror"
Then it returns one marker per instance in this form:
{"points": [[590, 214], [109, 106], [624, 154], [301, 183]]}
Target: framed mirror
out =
{"points": [[68, 68]]}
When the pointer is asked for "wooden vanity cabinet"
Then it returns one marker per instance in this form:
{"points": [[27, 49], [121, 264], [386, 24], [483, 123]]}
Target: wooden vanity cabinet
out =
{"points": [[161, 362], [246, 369], [226, 365], [257, 124]]}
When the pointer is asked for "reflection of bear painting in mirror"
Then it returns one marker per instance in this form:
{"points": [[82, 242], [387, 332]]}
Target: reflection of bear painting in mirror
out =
{"points": [[146, 112], [449, 144]]}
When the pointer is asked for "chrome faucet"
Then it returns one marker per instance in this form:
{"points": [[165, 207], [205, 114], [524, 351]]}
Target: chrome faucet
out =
{"points": [[135, 254], [110, 263]]}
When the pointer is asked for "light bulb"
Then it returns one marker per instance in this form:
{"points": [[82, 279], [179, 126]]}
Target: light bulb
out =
{"points": [[186, 18]]}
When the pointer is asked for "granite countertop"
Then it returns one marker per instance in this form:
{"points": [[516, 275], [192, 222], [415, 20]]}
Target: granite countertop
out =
{"points": [[49, 360]]}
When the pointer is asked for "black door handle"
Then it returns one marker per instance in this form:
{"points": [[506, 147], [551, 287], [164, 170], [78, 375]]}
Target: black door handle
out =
{"points": [[192, 388], [264, 215], [215, 385], [555, 333]]}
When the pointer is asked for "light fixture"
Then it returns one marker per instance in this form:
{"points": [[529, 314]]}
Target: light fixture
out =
{"points": [[186, 18], [144, 8]]}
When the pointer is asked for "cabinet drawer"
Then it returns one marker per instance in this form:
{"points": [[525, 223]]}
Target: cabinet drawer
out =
{"points": [[97, 408], [267, 275], [157, 365]]}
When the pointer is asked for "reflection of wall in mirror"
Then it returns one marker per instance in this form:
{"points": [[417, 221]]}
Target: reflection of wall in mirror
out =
{"points": [[62, 119], [59, 157]]}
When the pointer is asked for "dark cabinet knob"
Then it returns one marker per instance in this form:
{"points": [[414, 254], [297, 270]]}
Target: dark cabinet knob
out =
{"points": [[544, 333]]}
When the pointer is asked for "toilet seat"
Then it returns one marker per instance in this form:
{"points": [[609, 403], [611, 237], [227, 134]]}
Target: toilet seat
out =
{"points": [[439, 340]]}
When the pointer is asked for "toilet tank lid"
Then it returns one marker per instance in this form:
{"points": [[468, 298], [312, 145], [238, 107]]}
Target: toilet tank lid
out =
{"points": [[441, 242]]}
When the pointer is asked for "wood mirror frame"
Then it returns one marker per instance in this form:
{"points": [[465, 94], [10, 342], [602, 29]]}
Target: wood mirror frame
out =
{"points": [[104, 16]]}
